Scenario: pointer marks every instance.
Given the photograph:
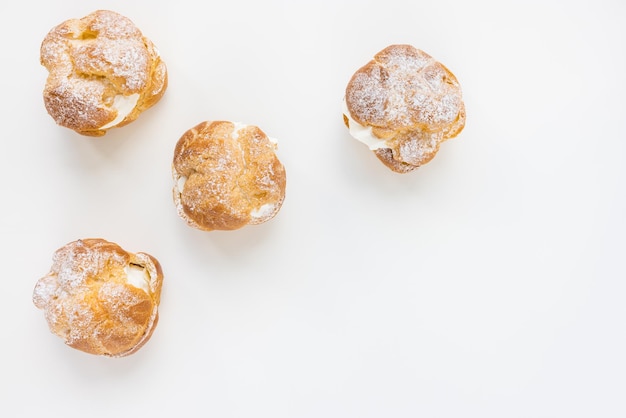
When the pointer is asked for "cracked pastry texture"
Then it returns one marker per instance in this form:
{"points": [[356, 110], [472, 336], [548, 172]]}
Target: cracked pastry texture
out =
{"points": [[403, 104], [102, 73], [226, 176], [99, 298]]}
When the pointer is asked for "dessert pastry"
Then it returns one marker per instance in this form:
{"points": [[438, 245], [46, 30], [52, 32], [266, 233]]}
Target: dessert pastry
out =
{"points": [[403, 104], [99, 298], [102, 73], [226, 175]]}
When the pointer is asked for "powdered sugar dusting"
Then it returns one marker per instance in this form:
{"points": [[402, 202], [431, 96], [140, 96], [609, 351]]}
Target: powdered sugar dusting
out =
{"points": [[368, 96], [75, 102], [418, 148], [45, 290], [76, 264], [118, 301], [403, 87]]}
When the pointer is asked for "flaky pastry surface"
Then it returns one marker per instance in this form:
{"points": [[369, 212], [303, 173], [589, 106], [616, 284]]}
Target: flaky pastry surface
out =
{"points": [[102, 73], [227, 176], [408, 100], [91, 301]]}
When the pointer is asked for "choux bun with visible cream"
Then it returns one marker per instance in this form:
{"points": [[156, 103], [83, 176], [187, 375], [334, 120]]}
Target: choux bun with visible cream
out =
{"points": [[99, 298], [102, 73], [403, 104], [226, 176]]}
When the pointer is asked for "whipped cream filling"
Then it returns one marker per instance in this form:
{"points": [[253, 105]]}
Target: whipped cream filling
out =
{"points": [[363, 133], [263, 212], [238, 126], [138, 277], [124, 105], [180, 183]]}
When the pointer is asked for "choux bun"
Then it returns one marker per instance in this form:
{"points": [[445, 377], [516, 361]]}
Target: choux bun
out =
{"points": [[227, 175], [99, 298], [403, 104], [102, 73]]}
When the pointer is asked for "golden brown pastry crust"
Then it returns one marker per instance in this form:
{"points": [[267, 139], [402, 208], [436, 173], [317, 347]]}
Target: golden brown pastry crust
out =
{"points": [[90, 301], [227, 176], [95, 61], [408, 100]]}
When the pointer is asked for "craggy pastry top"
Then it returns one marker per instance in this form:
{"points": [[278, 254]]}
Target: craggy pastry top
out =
{"points": [[102, 72], [99, 298], [408, 101], [226, 176]]}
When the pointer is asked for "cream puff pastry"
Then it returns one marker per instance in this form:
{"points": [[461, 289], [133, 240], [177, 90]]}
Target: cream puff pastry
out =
{"points": [[99, 298], [102, 73], [227, 175], [403, 104]]}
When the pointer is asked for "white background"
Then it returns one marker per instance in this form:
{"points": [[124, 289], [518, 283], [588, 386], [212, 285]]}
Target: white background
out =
{"points": [[489, 283]]}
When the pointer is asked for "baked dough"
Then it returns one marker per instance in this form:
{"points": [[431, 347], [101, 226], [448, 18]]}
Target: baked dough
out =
{"points": [[227, 175], [99, 298], [403, 104], [102, 73]]}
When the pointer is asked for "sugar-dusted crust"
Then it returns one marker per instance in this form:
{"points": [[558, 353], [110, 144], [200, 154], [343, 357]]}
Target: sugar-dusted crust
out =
{"points": [[91, 303], [409, 150], [94, 63], [227, 176], [410, 101]]}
